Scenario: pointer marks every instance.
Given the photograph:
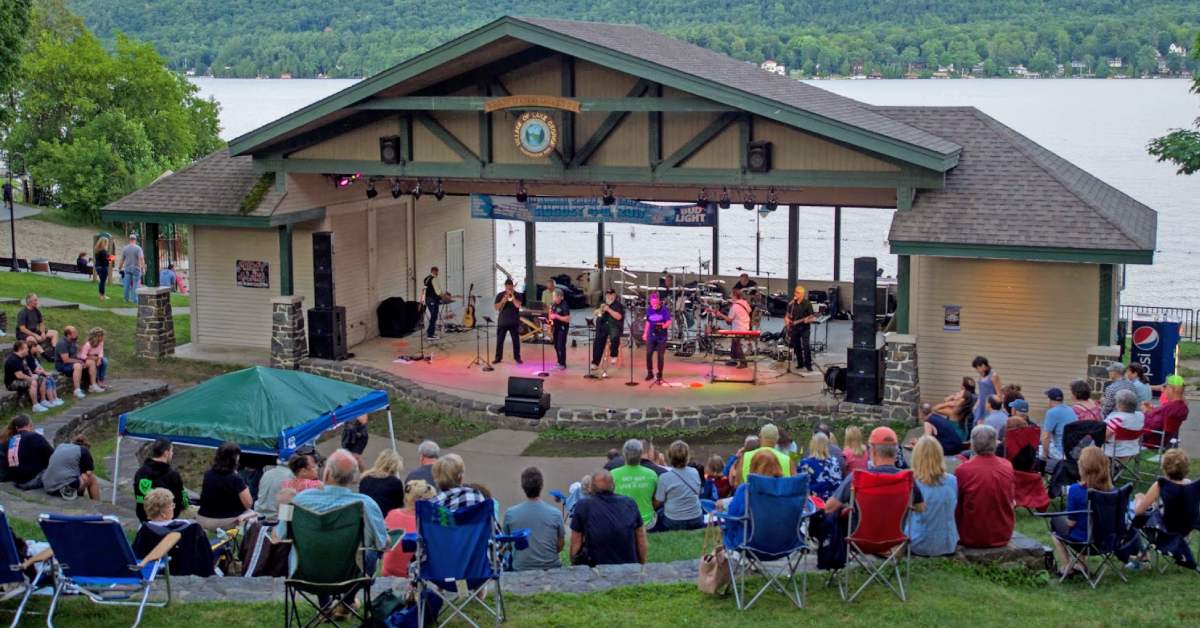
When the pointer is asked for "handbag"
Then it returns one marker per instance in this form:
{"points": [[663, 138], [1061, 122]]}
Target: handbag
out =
{"points": [[713, 576]]}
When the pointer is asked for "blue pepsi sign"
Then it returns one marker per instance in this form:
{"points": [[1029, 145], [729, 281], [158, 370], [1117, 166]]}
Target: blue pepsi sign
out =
{"points": [[1153, 344]]}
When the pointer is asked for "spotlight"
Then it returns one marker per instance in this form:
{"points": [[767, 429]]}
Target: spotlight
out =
{"points": [[371, 192], [702, 198], [724, 202], [772, 201], [416, 190], [396, 189], [438, 192], [748, 200], [606, 195], [522, 193]]}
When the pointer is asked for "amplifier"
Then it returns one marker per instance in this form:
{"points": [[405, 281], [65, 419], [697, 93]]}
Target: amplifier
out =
{"points": [[530, 408]]}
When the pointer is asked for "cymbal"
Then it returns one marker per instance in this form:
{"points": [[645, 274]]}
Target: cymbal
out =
{"points": [[648, 287], [621, 281], [720, 281], [627, 273]]}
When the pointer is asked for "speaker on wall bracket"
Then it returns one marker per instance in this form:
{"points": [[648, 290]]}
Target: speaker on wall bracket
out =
{"points": [[389, 149], [758, 156]]}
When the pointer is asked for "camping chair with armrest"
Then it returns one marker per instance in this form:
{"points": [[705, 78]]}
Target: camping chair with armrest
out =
{"points": [[1169, 534], [458, 551], [1077, 436], [775, 524], [1162, 440], [1108, 534], [880, 504], [193, 555], [13, 570], [328, 569], [93, 555], [1020, 448]]}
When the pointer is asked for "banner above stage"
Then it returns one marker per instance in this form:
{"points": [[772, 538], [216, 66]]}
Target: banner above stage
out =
{"points": [[583, 209]]}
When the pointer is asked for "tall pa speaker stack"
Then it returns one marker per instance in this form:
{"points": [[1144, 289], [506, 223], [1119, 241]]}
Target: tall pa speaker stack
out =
{"points": [[864, 361], [326, 321]]}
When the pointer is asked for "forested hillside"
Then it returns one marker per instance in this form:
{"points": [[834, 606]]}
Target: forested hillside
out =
{"points": [[892, 37]]}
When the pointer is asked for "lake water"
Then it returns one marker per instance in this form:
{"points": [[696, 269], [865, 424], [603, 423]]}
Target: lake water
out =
{"points": [[1102, 126]]}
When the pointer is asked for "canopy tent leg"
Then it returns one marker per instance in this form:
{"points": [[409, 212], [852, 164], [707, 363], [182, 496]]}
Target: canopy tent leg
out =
{"points": [[391, 429], [116, 470]]}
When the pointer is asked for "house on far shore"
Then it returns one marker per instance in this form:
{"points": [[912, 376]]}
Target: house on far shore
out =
{"points": [[774, 67], [1114, 62]]}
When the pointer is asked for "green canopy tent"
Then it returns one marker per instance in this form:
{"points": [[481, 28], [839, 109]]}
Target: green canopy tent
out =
{"points": [[263, 410]]}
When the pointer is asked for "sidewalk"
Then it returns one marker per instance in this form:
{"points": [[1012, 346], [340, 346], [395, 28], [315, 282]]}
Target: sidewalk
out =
{"points": [[21, 211]]}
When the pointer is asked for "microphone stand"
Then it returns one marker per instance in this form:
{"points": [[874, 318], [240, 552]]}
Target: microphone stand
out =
{"points": [[487, 342], [591, 340], [630, 320], [543, 372]]}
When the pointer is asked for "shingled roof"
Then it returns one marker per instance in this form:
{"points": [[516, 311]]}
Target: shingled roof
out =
{"points": [[1008, 190], [214, 185]]}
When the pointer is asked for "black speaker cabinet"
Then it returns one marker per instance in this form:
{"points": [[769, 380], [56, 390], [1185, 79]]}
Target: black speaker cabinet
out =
{"points": [[327, 333], [863, 389], [525, 387], [323, 293], [758, 156], [862, 334], [864, 362], [529, 408], [864, 280], [389, 149]]}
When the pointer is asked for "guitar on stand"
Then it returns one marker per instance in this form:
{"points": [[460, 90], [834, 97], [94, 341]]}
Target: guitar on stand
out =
{"points": [[469, 310]]}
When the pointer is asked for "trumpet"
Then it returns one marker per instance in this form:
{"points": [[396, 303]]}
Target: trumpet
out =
{"points": [[599, 311]]}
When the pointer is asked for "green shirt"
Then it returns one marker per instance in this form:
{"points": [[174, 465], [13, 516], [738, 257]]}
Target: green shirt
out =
{"points": [[785, 461], [637, 483]]}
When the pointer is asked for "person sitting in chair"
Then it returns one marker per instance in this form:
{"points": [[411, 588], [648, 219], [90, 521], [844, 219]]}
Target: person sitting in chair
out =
{"points": [[448, 474], [1093, 474], [607, 528], [1125, 424], [341, 475]]}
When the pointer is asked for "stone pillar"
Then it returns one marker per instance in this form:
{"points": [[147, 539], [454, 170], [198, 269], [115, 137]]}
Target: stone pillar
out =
{"points": [[901, 383], [289, 342], [155, 325], [1098, 360]]}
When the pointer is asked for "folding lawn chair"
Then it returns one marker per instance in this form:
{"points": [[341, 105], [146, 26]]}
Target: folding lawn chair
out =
{"points": [[1108, 534], [193, 555], [1162, 440], [777, 511], [328, 570], [1020, 448], [456, 554], [1077, 436], [879, 507], [14, 567], [1172, 526], [92, 554], [1128, 467]]}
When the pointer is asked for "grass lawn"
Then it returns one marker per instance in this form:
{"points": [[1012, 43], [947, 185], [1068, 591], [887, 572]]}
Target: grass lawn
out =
{"points": [[1189, 350], [20, 284]]}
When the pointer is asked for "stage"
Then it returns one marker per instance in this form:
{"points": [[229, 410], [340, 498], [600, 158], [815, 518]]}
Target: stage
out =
{"points": [[685, 380]]}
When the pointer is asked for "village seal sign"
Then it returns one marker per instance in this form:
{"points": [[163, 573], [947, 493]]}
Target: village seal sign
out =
{"points": [[535, 133]]}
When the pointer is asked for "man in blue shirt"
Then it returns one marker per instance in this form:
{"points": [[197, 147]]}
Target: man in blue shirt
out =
{"points": [[341, 473], [166, 277], [545, 524], [1057, 417]]}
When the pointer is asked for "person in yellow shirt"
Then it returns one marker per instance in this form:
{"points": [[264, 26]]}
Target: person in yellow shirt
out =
{"points": [[768, 435]]}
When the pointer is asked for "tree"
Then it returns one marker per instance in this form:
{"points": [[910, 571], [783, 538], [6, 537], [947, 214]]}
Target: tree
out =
{"points": [[14, 22], [1043, 63], [1181, 146]]}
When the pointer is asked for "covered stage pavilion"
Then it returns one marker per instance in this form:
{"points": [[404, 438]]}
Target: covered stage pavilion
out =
{"points": [[1004, 249]]}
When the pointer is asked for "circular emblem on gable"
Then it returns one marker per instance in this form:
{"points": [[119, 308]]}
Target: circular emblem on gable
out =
{"points": [[535, 133]]}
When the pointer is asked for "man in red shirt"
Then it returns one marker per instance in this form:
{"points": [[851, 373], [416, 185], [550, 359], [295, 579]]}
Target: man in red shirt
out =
{"points": [[1167, 417], [985, 514]]}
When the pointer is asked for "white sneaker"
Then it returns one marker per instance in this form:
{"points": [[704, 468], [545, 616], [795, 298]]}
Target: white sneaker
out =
{"points": [[79, 394], [95, 389], [37, 407], [604, 374], [613, 361], [57, 402]]}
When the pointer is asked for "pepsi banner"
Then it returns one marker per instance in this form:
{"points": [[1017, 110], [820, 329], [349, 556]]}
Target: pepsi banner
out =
{"points": [[1153, 345], [586, 209]]}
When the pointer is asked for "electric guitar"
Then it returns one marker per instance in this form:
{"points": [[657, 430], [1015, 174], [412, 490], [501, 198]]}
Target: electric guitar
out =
{"points": [[469, 311]]}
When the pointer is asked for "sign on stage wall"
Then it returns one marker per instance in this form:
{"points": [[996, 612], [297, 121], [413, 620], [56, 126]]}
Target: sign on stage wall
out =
{"points": [[583, 209], [953, 318], [253, 274]]}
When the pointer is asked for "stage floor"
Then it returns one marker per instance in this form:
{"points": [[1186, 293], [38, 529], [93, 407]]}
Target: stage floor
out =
{"points": [[685, 380]]}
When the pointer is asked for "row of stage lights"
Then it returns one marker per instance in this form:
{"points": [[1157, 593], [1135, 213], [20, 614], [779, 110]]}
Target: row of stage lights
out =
{"points": [[397, 187]]}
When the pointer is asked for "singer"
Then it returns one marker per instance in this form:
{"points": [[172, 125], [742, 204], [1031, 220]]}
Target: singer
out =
{"points": [[658, 322]]}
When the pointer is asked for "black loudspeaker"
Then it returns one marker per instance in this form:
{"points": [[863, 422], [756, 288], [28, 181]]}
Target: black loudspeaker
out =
{"points": [[758, 156], [863, 377], [864, 280], [835, 378], [389, 149], [835, 301], [860, 389], [327, 333], [323, 294], [863, 333], [397, 317], [526, 398], [525, 387], [863, 361]]}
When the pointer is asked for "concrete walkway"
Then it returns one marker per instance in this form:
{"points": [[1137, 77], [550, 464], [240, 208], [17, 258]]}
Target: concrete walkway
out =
{"points": [[20, 211], [55, 304]]}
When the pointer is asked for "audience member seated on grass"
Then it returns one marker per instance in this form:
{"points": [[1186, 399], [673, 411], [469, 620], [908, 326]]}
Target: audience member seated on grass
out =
{"points": [[382, 482], [677, 494], [650, 459], [224, 497], [428, 452], [714, 477], [943, 430], [1125, 425], [47, 383], [823, 469], [448, 474], [27, 452], [272, 481], [67, 362], [304, 473], [959, 407], [636, 481], [19, 379], [1093, 474], [768, 436], [401, 521], [884, 450], [1057, 417], [71, 472], [734, 467], [30, 324], [545, 524], [192, 555], [607, 528], [341, 474], [984, 514], [996, 416], [1167, 417], [932, 531], [355, 435], [83, 264], [577, 492], [734, 532], [1085, 408], [156, 472], [854, 453], [92, 353], [834, 450], [1116, 383]]}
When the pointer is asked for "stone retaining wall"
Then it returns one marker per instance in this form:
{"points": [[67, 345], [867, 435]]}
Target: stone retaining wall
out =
{"points": [[131, 398], [1098, 361], [721, 415]]}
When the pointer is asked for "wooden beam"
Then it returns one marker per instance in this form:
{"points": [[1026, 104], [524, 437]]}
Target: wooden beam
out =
{"points": [[696, 143], [566, 137], [447, 138], [1104, 336], [745, 136], [607, 127], [485, 129], [654, 126], [904, 198], [716, 243], [406, 142], [793, 247], [530, 262], [903, 293], [478, 103], [150, 243], [837, 243], [487, 72]]}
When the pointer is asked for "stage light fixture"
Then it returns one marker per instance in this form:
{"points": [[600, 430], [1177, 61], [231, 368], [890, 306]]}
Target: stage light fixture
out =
{"points": [[724, 202], [772, 201], [438, 192], [416, 190], [396, 189], [522, 193], [371, 191], [748, 200], [606, 195]]}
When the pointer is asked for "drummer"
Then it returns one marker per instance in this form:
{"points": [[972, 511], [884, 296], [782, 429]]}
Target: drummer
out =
{"points": [[739, 320]]}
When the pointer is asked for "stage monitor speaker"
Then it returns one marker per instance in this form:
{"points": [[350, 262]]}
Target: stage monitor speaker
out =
{"points": [[758, 156], [530, 387], [327, 333], [529, 408], [863, 389], [389, 149]]}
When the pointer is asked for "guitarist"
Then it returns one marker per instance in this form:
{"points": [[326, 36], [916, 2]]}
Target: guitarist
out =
{"points": [[797, 322], [560, 318], [433, 301]]}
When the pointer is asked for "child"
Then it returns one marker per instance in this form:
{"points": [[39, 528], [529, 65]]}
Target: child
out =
{"points": [[714, 474], [854, 454], [93, 351], [46, 381]]}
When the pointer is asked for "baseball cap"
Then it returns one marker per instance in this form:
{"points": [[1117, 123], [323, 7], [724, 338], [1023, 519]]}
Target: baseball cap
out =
{"points": [[1055, 394], [1020, 405], [882, 436], [1175, 380]]}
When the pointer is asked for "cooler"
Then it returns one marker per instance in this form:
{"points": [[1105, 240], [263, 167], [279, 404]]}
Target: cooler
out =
{"points": [[1154, 344]]}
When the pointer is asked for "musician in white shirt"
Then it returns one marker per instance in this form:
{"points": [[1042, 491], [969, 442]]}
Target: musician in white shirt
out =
{"points": [[739, 320]]}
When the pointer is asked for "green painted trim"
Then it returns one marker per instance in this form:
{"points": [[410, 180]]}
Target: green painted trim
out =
{"points": [[296, 217], [406, 139], [286, 287], [478, 103], [1107, 280], [903, 277], [904, 198], [606, 127], [1031, 253], [698, 141], [150, 242], [214, 220], [654, 131], [447, 138], [745, 136]]}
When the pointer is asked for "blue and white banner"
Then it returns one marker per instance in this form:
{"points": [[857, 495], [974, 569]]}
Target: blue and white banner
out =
{"points": [[584, 209]]}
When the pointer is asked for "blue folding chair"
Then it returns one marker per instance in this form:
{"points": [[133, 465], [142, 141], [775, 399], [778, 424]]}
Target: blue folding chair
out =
{"points": [[92, 554], [460, 547], [14, 567], [776, 531], [1108, 534]]}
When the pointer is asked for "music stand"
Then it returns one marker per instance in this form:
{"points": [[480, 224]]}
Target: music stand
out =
{"points": [[629, 318], [543, 372], [591, 325], [479, 359]]}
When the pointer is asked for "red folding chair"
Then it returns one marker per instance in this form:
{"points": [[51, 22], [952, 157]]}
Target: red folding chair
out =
{"points": [[879, 508], [1020, 448]]}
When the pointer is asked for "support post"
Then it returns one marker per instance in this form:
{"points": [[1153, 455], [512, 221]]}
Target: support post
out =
{"points": [[391, 429], [903, 292], [600, 257], [567, 136], [289, 342], [1105, 334], [530, 261], [901, 378], [286, 283], [716, 243], [150, 250], [793, 247], [837, 243], [155, 332], [116, 469]]}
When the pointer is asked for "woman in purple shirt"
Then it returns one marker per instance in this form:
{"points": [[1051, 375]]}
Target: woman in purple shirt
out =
{"points": [[658, 321]]}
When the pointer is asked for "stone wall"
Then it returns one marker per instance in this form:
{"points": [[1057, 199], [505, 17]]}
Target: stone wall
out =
{"points": [[155, 325], [1098, 360], [901, 380], [289, 343]]}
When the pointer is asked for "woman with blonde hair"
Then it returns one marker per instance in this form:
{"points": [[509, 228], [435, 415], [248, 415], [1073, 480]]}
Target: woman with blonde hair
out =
{"points": [[854, 453], [932, 531], [824, 471], [1094, 474], [401, 520], [763, 463], [383, 482], [92, 354]]}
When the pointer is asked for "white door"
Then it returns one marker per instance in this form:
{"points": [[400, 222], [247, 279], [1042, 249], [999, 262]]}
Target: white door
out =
{"points": [[454, 270]]}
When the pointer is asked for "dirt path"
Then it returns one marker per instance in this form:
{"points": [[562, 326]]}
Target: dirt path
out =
{"points": [[38, 238]]}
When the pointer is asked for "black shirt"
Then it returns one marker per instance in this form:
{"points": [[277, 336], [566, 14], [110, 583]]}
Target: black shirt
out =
{"points": [[69, 347], [33, 456], [608, 523], [430, 293], [510, 314], [101, 259], [387, 492], [219, 495], [562, 309], [13, 364], [423, 472], [31, 319], [354, 437], [613, 325], [798, 312], [155, 474], [947, 434]]}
